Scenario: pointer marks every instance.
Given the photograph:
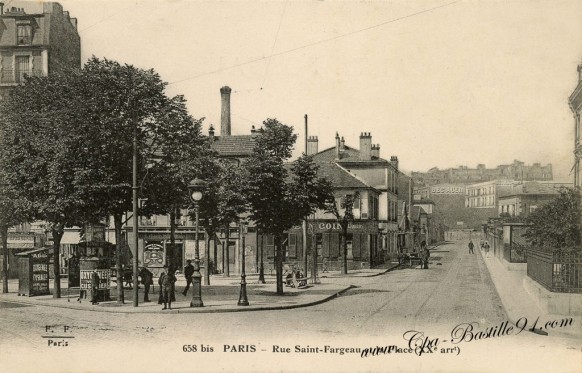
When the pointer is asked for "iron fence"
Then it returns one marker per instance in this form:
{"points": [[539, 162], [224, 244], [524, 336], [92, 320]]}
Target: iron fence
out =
{"points": [[558, 271], [17, 76]]}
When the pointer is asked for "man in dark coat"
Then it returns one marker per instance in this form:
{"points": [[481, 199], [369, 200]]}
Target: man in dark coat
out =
{"points": [[166, 282], [188, 272], [147, 279], [424, 254], [471, 246], [94, 286]]}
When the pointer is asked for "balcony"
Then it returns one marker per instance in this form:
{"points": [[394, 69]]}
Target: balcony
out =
{"points": [[10, 77]]}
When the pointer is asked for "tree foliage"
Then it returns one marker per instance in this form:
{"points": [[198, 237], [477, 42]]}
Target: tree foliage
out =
{"points": [[281, 196], [343, 211], [70, 143], [556, 225]]}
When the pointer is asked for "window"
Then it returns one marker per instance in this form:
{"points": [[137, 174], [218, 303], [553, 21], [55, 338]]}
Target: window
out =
{"points": [[24, 35], [292, 245], [319, 245], [22, 65], [270, 246]]}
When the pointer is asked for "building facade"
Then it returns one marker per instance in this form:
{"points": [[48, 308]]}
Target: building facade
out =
{"points": [[575, 102], [486, 195], [37, 43], [527, 197], [381, 174], [364, 236]]}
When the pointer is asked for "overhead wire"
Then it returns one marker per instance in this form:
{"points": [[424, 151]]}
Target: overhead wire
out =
{"points": [[110, 16], [274, 44], [314, 43]]}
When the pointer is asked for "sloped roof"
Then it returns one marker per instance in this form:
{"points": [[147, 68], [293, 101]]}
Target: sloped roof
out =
{"points": [[534, 188], [349, 154], [240, 145], [338, 176]]}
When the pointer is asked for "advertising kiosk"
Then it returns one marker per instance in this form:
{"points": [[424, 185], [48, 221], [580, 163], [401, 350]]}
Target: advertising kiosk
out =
{"points": [[33, 272]]}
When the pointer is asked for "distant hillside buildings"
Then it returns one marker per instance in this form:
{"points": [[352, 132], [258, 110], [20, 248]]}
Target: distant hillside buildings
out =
{"points": [[465, 175]]}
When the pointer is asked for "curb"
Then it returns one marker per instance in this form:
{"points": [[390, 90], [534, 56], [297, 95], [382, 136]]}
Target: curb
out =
{"points": [[195, 310], [370, 275], [511, 315]]}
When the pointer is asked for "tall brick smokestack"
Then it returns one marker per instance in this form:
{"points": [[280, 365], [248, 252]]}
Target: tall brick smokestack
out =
{"points": [[225, 111]]}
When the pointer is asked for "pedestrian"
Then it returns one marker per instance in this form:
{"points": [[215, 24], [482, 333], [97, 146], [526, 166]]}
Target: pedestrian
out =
{"points": [[486, 248], [147, 279], [425, 254], [188, 272], [166, 282], [471, 246], [94, 286]]}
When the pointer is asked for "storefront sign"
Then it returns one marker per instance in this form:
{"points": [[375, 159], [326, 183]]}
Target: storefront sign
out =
{"points": [[18, 241], [449, 189], [337, 227], [104, 276]]}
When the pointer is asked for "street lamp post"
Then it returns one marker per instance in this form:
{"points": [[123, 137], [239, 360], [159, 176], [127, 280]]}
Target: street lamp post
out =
{"points": [[196, 188], [242, 299]]}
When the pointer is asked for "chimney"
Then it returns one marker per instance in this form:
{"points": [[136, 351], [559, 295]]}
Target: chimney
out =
{"points": [[74, 22], [225, 111], [579, 73], [211, 134], [342, 144], [66, 14], [394, 161], [312, 143], [1, 8], [365, 146], [375, 153], [254, 132]]}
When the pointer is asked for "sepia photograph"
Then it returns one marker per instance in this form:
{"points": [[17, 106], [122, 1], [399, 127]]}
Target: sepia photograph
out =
{"points": [[290, 186]]}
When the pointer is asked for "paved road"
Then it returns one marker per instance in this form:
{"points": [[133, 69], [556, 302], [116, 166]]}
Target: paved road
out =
{"points": [[455, 289]]}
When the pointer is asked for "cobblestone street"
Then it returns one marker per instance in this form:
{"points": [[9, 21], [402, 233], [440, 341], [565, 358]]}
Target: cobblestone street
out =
{"points": [[455, 289]]}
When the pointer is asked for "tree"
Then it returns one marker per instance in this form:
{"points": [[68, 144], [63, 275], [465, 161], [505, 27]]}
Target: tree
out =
{"points": [[556, 225], [12, 212], [42, 137], [179, 153], [71, 143], [224, 201], [346, 205], [281, 197]]}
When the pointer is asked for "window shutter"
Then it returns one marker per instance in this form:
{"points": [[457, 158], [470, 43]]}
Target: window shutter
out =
{"points": [[326, 241], [292, 244], [334, 248], [356, 247], [270, 245]]}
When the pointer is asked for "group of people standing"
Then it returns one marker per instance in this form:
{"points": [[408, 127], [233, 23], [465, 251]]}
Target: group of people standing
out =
{"points": [[484, 246]]}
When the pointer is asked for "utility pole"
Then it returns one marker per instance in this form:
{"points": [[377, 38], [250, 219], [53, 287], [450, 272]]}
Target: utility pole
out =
{"points": [[134, 188], [304, 224]]}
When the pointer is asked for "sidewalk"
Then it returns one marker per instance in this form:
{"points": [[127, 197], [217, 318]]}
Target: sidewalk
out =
{"points": [[519, 304], [221, 296]]}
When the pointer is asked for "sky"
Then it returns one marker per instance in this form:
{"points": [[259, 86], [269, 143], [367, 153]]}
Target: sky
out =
{"points": [[437, 83]]}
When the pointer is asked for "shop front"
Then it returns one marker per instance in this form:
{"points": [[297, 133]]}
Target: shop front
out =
{"points": [[363, 245]]}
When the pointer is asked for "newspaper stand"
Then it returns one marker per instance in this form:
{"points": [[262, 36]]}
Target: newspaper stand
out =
{"points": [[86, 267], [33, 272]]}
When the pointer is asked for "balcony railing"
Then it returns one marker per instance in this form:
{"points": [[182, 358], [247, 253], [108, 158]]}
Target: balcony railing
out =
{"points": [[556, 271], [8, 76]]}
